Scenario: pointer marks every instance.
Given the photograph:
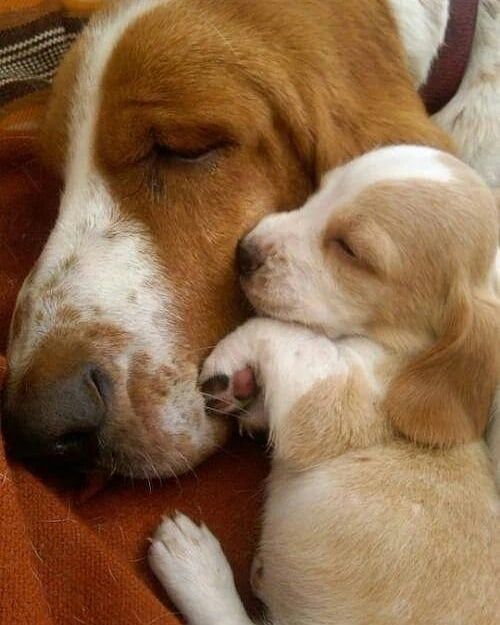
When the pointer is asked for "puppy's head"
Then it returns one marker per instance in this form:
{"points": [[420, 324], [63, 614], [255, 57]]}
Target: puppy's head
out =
{"points": [[398, 245]]}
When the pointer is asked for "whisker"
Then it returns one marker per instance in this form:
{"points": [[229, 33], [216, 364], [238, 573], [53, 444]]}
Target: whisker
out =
{"points": [[238, 410], [155, 470], [188, 465], [173, 474]]}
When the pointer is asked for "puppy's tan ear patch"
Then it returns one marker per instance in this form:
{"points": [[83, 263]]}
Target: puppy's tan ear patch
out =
{"points": [[443, 397]]}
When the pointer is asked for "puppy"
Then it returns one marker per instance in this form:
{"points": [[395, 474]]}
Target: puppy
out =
{"points": [[377, 372]]}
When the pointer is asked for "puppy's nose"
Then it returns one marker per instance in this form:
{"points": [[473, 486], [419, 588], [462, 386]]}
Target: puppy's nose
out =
{"points": [[248, 258], [60, 419]]}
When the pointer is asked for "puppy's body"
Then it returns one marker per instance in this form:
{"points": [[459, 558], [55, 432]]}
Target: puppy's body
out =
{"points": [[374, 530], [359, 526], [349, 562], [381, 509]]}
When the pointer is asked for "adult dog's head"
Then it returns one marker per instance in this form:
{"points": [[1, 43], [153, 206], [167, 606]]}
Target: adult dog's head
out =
{"points": [[175, 125]]}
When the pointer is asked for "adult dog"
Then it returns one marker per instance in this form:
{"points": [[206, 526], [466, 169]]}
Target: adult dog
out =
{"points": [[176, 125]]}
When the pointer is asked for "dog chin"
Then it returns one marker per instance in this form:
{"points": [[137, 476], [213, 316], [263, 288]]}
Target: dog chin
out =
{"points": [[269, 305], [290, 313]]}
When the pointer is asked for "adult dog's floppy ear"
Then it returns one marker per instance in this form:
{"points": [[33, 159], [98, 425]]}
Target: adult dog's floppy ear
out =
{"points": [[444, 396]]}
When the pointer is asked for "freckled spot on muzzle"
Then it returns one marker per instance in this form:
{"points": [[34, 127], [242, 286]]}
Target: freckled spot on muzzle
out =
{"points": [[148, 384]]}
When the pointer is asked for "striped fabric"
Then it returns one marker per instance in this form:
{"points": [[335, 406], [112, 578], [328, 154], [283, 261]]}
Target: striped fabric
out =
{"points": [[31, 48], [29, 55], [34, 34]]}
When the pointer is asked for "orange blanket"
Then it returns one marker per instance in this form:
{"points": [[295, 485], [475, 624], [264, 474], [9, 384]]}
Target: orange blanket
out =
{"points": [[74, 554]]}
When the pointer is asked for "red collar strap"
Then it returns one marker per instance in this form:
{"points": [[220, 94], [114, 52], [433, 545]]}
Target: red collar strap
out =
{"points": [[448, 68]]}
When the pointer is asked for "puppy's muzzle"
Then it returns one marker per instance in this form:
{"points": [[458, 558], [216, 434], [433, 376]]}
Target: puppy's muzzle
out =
{"points": [[249, 258]]}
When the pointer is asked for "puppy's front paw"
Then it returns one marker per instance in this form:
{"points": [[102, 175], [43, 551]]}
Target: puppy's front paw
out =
{"points": [[230, 392], [235, 352], [237, 395], [189, 562]]}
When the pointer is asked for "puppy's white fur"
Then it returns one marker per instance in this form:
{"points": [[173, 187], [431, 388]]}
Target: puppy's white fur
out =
{"points": [[183, 554]]}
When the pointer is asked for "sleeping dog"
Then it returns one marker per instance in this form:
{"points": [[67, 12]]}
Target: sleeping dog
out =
{"points": [[175, 126], [375, 372]]}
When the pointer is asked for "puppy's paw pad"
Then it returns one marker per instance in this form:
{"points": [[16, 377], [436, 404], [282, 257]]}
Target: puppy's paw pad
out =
{"points": [[230, 355], [230, 393]]}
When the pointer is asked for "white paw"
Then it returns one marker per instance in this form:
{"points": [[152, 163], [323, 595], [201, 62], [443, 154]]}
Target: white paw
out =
{"points": [[285, 359], [238, 395], [235, 352], [228, 379], [189, 562]]}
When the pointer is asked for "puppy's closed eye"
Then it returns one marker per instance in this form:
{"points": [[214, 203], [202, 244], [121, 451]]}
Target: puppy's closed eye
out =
{"points": [[343, 247], [351, 252]]}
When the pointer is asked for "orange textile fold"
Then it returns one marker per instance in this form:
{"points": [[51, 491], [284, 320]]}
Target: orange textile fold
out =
{"points": [[73, 553]]}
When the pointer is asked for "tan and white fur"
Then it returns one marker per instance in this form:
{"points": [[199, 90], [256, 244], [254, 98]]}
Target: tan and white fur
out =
{"points": [[376, 377], [140, 285]]}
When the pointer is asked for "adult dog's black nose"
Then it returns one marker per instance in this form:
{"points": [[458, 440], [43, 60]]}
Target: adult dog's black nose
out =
{"points": [[59, 419], [248, 258]]}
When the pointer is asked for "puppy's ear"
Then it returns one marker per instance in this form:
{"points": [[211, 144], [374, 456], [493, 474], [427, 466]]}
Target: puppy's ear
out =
{"points": [[444, 396]]}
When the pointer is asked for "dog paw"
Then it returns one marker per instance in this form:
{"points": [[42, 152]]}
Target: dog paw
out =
{"points": [[229, 392], [230, 378], [238, 395], [190, 564]]}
